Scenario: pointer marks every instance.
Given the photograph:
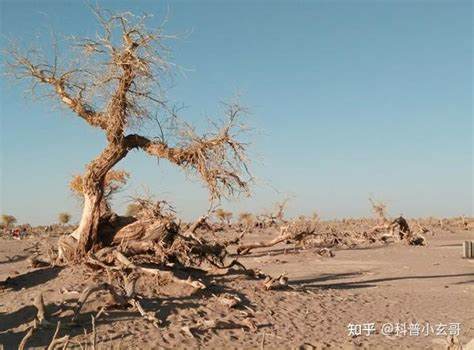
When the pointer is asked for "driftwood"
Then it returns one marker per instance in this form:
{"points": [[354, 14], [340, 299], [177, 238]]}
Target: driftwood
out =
{"points": [[295, 232], [275, 282]]}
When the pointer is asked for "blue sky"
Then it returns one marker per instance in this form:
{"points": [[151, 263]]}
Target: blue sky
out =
{"points": [[350, 99]]}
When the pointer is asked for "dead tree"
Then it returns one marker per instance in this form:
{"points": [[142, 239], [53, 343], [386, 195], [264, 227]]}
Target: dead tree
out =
{"points": [[116, 85], [400, 223], [280, 212], [403, 227], [223, 216]]}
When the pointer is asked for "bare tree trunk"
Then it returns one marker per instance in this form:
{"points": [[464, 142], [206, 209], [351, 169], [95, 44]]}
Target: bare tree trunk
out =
{"points": [[89, 225], [88, 231]]}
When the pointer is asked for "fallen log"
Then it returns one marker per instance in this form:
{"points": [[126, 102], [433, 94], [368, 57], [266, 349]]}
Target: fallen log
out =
{"points": [[293, 232]]}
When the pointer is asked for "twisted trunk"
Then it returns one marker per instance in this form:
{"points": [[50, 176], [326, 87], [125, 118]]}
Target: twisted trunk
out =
{"points": [[88, 233]]}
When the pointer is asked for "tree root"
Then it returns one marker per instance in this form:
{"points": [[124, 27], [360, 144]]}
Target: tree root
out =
{"points": [[128, 298], [57, 341], [92, 289], [25, 339], [41, 314], [41, 320], [154, 241], [156, 272]]}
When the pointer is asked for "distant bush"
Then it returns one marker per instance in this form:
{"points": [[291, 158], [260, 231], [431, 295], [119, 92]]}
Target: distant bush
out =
{"points": [[223, 216], [246, 219], [8, 220], [64, 218]]}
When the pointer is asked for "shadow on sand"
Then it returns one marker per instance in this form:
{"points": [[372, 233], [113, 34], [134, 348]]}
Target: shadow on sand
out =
{"points": [[31, 278], [15, 258], [163, 307], [316, 282]]}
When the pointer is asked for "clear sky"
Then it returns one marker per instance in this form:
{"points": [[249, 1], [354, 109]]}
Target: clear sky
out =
{"points": [[350, 99]]}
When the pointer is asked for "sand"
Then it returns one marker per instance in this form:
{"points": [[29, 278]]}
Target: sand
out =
{"points": [[393, 284]]}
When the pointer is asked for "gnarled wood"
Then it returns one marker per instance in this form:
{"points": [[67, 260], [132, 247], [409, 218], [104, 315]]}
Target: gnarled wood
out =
{"points": [[116, 85], [93, 186]]}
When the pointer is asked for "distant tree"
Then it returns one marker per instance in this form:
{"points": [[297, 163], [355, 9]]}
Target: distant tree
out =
{"points": [[247, 219], [8, 220], [115, 85], [223, 216], [64, 218], [380, 211], [280, 210]]}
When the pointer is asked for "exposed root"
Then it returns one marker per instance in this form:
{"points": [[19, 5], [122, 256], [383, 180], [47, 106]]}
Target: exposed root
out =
{"points": [[94, 333], [41, 314], [58, 341], [92, 289], [156, 272], [25, 339], [41, 320]]}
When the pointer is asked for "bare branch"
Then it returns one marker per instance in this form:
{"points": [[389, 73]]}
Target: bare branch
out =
{"points": [[23, 67], [219, 159]]}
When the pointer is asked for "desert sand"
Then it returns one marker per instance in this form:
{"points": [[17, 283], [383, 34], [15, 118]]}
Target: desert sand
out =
{"points": [[394, 283]]}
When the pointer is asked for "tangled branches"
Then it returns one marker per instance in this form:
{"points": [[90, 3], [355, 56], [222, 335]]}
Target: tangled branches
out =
{"points": [[218, 158]]}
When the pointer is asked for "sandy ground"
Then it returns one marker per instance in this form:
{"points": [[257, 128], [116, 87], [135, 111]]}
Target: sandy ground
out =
{"points": [[395, 284]]}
